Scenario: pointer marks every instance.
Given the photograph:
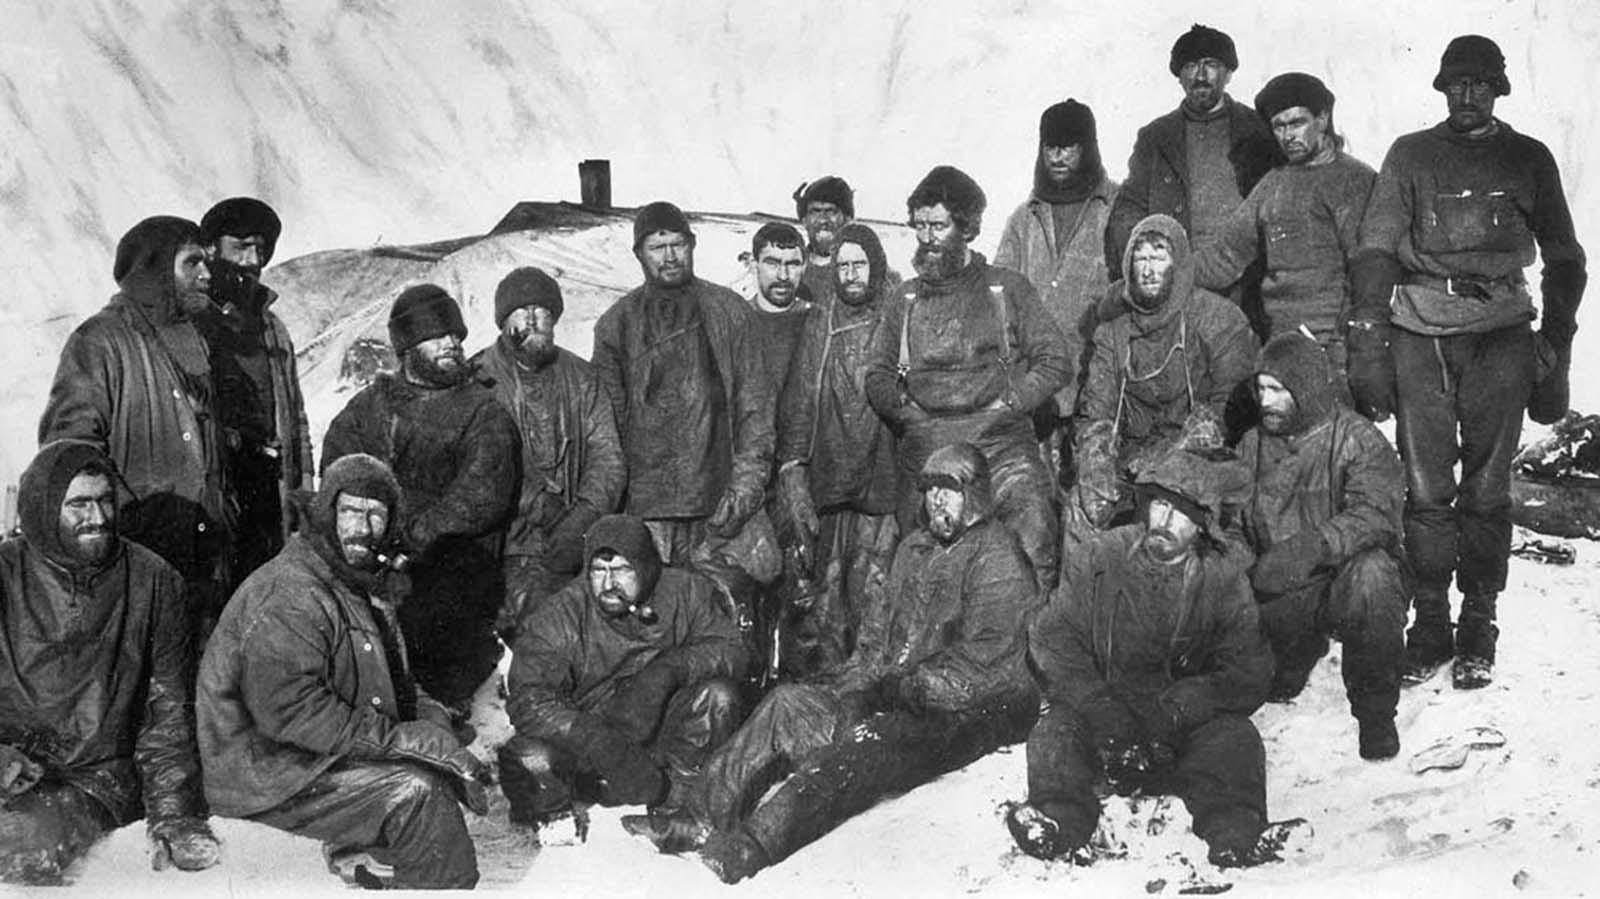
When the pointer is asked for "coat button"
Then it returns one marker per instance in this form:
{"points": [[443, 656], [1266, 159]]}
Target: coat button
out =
{"points": [[187, 436], [367, 647], [1055, 283], [201, 527], [176, 395], [377, 701]]}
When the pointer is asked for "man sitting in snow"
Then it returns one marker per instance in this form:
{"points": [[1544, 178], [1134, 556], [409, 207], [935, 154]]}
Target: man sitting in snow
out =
{"points": [[1151, 659], [95, 729], [936, 682], [621, 682]]}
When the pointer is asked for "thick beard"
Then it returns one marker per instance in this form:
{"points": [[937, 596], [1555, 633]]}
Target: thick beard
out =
{"points": [[938, 262], [536, 355], [93, 552], [233, 283], [431, 374], [366, 557], [1151, 304], [848, 300]]}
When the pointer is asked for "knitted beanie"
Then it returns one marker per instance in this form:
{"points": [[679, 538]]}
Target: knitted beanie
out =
{"points": [[952, 187], [659, 216], [1200, 43], [1476, 56], [1066, 124], [827, 189], [242, 217], [1293, 89], [526, 286], [422, 313]]}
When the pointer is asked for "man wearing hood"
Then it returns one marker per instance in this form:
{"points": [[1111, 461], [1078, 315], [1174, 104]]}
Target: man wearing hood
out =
{"points": [[1440, 336], [1166, 357], [135, 381], [455, 451], [824, 207], [937, 681], [1302, 218], [1324, 523], [309, 719], [263, 415], [95, 653], [621, 683], [1151, 661], [572, 466], [1056, 237], [836, 460], [968, 354]]}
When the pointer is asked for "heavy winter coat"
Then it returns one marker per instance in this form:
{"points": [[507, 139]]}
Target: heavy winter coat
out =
{"points": [[1069, 270], [692, 408], [572, 466], [1194, 656], [94, 664], [1304, 220], [1150, 370], [1158, 172]]}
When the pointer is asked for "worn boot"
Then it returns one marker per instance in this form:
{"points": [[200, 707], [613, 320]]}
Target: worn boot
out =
{"points": [[1378, 739], [1475, 640], [733, 855], [1428, 642], [1036, 833]]}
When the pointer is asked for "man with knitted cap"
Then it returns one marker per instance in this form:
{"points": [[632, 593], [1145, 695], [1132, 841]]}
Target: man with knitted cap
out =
{"points": [[95, 660], [693, 409], [1151, 661], [823, 207], [257, 382], [571, 464], [135, 381], [1324, 522], [621, 683], [1302, 218], [937, 681], [1440, 335], [969, 354], [309, 718], [836, 459], [455, 449]]}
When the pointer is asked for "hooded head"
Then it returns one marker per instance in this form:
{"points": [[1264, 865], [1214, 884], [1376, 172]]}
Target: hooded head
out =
{"points": [[363, 478], [623, 537], [79, 544], [1066, 129], [857, 235], [1158, 244], [1300, 367], [956, 492], [144, 267], [1205, 488]]}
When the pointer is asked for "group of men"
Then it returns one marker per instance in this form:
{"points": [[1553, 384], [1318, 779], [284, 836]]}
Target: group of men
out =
{"points": [[763, 560]]}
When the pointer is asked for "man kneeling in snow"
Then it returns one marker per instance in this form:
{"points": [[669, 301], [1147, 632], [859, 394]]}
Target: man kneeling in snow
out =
{"points": [[937, 681], [309, 719], [1151, 660], [94, 660], [621, 682]]}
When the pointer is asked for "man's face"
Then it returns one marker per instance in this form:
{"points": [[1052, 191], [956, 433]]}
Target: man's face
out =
{"points": [[947, 512], [248, 252], [1152, 272], [87, 523], [614, 583], [1301, 135], [360, 524], [853, 269], [1277, 404], [1169, 534], [778, 272], [667, 258], [437, 361], [531, 331], [1061, 163], [191, 277], [941, 249], [1203, 83], [822, 222], [1471, 103]]}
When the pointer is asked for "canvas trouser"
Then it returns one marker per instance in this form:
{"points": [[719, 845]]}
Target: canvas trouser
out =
{"points": [[853, 554], [449, 622], [46, 829], [403, 814], [1461, 399]]}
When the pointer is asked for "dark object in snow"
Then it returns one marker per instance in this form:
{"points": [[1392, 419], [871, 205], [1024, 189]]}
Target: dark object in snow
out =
{"points": [[1555, 484], [1571, 452], [1278, 839], [1550, 552]]}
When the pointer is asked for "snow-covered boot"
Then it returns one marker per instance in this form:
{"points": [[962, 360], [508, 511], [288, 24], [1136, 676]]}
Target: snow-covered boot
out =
{"points": [[1428, 641], [1036, 833], [733, 855], [1278, 839], [672, 831], [1476, 636]]}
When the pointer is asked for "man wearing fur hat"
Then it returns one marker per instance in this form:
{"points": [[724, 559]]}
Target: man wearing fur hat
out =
{"points": [[1151, 661], [1302, 218], [1166, 358], [455, 450], [937, 681], [1440, 335], [135, 381], [823, 207], [95, 658], [263, 415], [1324, 522], [309, 720], [836, 460], [620, 683], [969, 354], [1199, 161], [572, 466]]}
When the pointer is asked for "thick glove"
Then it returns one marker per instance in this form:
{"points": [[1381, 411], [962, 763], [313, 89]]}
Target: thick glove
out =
{"points": [[1370, 368], [631, 776], [427, 743], [735, 508], [564, 554], [795, 484], [637, 708], [1289, 564], [1552, 392], [18, 773], [185, 843]]}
